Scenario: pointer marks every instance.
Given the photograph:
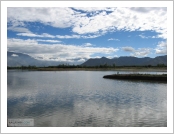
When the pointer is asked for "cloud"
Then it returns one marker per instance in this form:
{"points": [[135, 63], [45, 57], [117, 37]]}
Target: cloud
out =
{"points": [[157, 36], [94, 9], [50, 41], [147, 9], [87, 45], [19, 29], [16, 23], [57, 52], [140, 52], [128, 49], [44, 35], [77, 36], [81, 60], [68, 36], [56, 17], [161, 48], [111, 57], [94, 20], [124, 19], [113, 39], [144, 37], [14, 55], [91, 36]]}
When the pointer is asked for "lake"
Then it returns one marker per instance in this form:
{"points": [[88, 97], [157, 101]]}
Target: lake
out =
{"points": [[85, 99]]}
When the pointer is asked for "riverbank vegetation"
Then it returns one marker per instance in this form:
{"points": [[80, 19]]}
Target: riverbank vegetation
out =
{"points": [[160, 67], [137, 76]]}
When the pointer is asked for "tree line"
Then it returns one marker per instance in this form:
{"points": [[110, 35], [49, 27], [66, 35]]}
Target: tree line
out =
{"points": [[80, 66]]}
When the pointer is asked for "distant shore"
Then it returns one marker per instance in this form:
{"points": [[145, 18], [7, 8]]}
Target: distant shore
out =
{"points": [[150, 69], [146, 77]]}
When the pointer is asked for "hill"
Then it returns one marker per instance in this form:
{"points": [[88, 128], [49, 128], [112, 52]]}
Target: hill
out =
{"points": [[18, 59], [127, 61]]}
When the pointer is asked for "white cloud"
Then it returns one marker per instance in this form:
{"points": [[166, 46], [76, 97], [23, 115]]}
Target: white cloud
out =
{"points": [[68, 36], [162, 44], [50, 41], [94, 9], [147, 9], [90, 36], [77, 36], [19, 29], [140, 52], [101, 21], [57, 17], [109, 57], [124, 19], [81, 60], [16, 23], [161, 48], [157, 36], [87, 45], [113, 39], [44, 35], [58, 52], [143, 36]]}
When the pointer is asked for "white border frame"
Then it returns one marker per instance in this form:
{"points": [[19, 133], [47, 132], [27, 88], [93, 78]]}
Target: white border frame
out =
{"points": [[5, 4]]}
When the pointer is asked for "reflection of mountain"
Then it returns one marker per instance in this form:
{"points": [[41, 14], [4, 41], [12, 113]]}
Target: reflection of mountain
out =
{"points": [[19, 59], [127, 61]]}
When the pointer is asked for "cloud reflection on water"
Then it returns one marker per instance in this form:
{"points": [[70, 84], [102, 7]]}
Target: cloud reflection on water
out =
{"points": [[123, 103]]}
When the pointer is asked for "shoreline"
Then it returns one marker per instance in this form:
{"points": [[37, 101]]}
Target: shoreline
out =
{"points": [[136, 69], [146, 77]]}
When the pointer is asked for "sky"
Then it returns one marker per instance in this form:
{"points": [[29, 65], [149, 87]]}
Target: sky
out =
{"points": [[75, 34]]}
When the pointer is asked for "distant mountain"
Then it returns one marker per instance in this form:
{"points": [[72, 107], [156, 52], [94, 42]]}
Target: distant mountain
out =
{"points": [[126, 61], [18, 59], [157, 60]]}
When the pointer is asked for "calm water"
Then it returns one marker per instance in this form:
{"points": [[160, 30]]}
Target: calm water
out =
{"points": [[84, 98]]}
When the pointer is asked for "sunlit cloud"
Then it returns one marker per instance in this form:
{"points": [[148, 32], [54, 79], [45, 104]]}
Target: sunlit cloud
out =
{"points": [[57, 52], [146, 18], [161, 48]]}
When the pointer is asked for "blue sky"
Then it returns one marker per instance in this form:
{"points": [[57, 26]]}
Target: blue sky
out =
{"points": [[75, 34]]}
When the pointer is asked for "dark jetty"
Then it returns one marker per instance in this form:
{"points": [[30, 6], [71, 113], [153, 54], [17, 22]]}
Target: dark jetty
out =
{"points": [[149, 77]]}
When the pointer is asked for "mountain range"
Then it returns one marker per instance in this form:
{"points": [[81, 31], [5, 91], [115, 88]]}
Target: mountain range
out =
{"points": [[18, 59], [127, 61]]}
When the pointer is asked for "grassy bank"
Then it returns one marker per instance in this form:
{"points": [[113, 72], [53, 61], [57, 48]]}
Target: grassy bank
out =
{"points": [[147, 77]]}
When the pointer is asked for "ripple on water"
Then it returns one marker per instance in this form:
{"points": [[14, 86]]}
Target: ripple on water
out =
{"points": [[61, 99]]}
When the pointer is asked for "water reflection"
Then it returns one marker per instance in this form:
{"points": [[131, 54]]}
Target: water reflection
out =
{"points": [[61, 99]]}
